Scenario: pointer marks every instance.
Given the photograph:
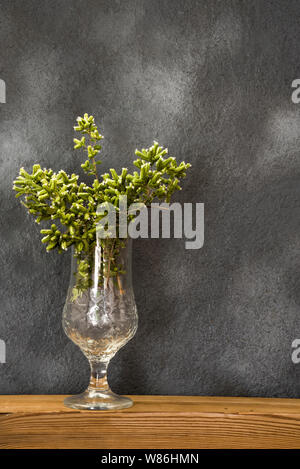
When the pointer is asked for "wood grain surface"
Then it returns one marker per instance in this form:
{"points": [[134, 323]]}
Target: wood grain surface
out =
{"points": [[154, 422]]}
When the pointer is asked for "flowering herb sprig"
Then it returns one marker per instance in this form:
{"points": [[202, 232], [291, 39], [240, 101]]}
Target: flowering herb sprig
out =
{"points": [[59, 196]]}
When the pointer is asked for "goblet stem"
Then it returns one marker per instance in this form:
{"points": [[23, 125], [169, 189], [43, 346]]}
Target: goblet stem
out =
{"points": [[98, 380], [98, 395]]}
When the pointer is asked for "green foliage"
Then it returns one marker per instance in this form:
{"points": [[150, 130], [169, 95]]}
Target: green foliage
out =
{"points": [[58, 196], [90, 136]]}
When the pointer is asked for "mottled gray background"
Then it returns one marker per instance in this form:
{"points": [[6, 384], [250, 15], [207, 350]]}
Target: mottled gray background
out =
{"points": [[212, 80]]}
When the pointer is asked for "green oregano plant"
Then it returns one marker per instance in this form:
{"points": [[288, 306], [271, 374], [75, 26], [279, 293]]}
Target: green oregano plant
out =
{"points": [[73, 204]]}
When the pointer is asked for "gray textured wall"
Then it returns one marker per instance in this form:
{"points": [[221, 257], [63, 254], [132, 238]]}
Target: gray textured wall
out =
{"points": [[212, 80]]}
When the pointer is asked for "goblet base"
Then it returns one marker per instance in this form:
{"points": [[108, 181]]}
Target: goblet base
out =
{"points": [[98, 400]]}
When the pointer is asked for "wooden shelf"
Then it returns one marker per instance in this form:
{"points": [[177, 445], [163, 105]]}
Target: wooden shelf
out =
{"points": [[154, 422]]}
